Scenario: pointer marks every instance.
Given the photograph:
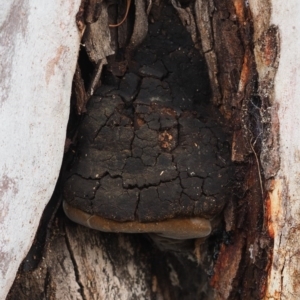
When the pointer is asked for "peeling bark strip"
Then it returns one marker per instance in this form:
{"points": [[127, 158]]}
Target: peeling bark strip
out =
{"points": [[227, 266]]}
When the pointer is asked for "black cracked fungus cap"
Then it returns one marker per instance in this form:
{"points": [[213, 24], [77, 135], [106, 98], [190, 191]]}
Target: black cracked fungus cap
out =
{"points": [[150, 147]]}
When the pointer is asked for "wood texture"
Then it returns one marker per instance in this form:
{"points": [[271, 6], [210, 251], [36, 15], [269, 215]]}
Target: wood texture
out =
{"points": [[257, 97], [81, 263]]}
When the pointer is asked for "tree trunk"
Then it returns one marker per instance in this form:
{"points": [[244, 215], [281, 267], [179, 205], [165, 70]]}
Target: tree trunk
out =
{"points": [[39, 47], [249, 49], [282, 202]]}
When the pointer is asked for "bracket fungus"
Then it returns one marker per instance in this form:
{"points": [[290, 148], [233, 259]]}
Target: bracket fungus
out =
{"points": [[153, 155]]}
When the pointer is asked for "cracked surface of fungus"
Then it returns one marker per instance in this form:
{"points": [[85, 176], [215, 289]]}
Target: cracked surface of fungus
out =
{"points": [[151, 148]]}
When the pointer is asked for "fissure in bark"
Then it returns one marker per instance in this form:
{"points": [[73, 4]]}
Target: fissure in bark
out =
{"points": [[170, 127]]}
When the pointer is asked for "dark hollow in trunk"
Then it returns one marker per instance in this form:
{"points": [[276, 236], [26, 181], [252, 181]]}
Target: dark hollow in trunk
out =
{"points": [[153, 146]]}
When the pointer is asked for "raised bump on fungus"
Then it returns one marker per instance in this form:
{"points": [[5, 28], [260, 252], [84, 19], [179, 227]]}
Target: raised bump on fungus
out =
{"points": [[181, 229]]}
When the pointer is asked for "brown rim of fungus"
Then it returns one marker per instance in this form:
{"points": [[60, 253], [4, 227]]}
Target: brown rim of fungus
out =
{"points": [[181, 229]]}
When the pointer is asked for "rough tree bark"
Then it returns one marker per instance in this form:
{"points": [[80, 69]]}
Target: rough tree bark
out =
{"points": [[251, 52]]}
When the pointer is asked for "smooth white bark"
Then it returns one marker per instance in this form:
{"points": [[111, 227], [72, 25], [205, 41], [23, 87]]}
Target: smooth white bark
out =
{"points": [[38, 50], [284, 277], [284, 195]]}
